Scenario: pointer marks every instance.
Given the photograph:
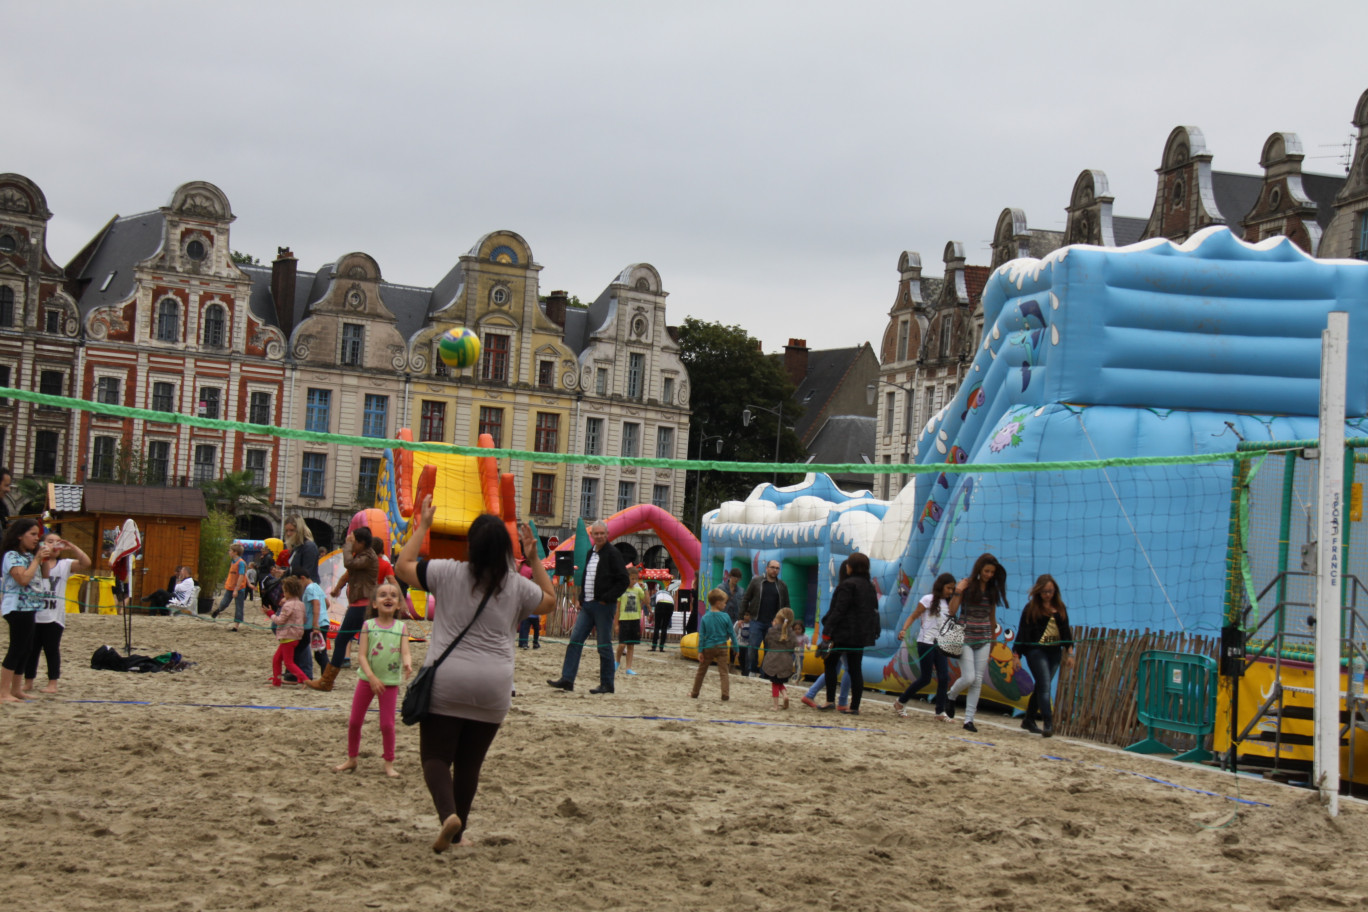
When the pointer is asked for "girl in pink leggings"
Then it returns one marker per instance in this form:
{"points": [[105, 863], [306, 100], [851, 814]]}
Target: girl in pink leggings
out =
{"points": [[385, 663]]}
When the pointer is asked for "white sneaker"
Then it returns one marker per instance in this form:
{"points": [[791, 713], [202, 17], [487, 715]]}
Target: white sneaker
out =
{"points": [[899, 709]]}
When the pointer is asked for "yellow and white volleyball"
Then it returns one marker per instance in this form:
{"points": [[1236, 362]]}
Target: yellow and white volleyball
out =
{"points": [[459, 347]]}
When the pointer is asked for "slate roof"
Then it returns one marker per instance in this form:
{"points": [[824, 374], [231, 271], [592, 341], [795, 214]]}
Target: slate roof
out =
{"points": [[844, 438], [145, 500], [1235, 195], [825, 371], [1322, 189], [408, 303], [1126, 230], [125, 242]]}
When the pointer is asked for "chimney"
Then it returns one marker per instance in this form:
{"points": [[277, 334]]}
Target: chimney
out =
{"points": [[796, 360], [556, 302], [283, 272]]}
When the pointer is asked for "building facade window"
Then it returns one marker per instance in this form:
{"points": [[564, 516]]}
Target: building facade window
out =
{"points": [[50, 384], [317, 405], [636, 372], [626, 494], [6, 306], [631, 438], [4, 381], [158, 465], [375, 416], [254, 461], [367, 480], [543, 493], [929, 398], [491, 423], [589, 498], [107, 390], [52, 321], [432, 423], [903, 329], [206, 458], [45, 444], [259, 408], [163, 397], [667, 390], [1360, 248], [209, 402], [660, 496], [601, 381], [102, 458], [494, 358], [889, 399], [664, 443], [168, 320], [593, 437], [946, 325], [546, 374], [548, 432], [215, 333], [353, 344], [313, 474]]}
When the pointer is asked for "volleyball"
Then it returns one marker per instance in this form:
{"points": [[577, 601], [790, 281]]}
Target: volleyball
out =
{"points": [[459, 348]]}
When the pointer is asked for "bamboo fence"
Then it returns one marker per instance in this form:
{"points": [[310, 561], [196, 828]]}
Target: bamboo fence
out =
{"points": [[1096, 699]]}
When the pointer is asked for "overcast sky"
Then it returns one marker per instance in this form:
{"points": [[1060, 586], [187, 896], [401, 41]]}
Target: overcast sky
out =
{"points": [[770, 159]]}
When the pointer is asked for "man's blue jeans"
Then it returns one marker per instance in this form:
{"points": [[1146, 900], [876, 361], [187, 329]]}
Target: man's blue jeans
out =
{"points": [[754, 641], [596, 616]]}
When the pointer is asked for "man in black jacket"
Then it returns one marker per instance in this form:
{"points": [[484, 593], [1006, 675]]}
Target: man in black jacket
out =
{"points": [[764, 597], [602, 580]]}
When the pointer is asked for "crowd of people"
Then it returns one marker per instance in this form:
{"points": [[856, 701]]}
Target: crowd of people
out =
{"points": [[478, 603]]}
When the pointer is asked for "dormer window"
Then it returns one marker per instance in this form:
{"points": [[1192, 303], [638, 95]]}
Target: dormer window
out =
{"points": [[8, 244]]}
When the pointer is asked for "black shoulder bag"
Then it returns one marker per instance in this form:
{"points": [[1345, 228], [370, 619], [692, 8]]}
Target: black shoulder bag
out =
{"points": [[418, 697]]}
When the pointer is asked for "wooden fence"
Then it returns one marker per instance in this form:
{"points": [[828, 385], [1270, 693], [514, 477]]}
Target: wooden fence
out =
{"points": [[1096, 700]]}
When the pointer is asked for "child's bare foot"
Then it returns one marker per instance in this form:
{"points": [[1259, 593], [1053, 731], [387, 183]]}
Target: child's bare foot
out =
{"points": [[9, 698], [19, 696], [450, 827], [391, 771], [346, 767], [28, 685], [51, 688]]}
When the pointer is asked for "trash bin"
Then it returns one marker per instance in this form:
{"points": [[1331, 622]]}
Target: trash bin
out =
{"points": [[72, 596], [100, 592]]}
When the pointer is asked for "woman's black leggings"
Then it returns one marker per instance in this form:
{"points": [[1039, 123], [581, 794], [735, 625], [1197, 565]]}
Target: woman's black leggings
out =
{"points": [[452, 751], [932, 660], [47, 639], [352, 622], [854, 656], [21, 624], [663, 619]]}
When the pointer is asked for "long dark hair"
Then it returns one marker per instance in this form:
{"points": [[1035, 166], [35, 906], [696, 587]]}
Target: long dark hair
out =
{"points": [[490, 551], [996, 592], [1035, 607], [858, 565], [941, 582], [15, 531]]}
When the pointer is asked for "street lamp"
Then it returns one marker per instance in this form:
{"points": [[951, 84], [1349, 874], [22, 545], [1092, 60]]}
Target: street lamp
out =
{"points": [[871, 393], [698, 485], [747, 418]]}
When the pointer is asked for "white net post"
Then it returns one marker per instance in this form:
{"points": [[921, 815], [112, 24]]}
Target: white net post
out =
{"points": [[1334, 348]]}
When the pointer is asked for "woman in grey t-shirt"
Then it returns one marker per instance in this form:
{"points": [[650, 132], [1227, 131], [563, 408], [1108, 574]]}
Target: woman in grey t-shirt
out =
{"points": [[472, 688]]}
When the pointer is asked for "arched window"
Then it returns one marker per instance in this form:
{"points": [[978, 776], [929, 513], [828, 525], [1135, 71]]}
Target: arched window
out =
{"points": [[215, 323], [168, 320]]}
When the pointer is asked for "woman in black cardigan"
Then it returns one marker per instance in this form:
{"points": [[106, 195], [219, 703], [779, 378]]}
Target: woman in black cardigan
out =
{"points": [[851, 624], [1043, 639]]}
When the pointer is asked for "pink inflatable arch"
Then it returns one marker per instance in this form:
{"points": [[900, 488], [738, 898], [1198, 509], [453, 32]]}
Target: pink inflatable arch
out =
{"points": [[676, 538]]}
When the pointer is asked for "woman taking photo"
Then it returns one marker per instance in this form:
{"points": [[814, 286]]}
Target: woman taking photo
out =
{"points": [[21, 598], [932, 609], [851, 624], [480, 600], [1043, 638], [360, 579], [976, 600]]}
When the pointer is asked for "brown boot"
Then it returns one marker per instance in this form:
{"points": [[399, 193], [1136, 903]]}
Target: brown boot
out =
{"points": [[325, 680]]}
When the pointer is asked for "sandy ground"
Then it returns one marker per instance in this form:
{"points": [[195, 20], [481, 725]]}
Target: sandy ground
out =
{"points": [[214, 791]]}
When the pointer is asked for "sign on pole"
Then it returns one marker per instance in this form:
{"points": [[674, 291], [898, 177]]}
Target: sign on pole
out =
{"points": [[1332, 508]]}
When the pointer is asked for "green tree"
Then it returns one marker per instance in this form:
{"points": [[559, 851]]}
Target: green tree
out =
{"points": [[244, 259], [29, 493], [236, 491], [727, 373], [216, 534]]}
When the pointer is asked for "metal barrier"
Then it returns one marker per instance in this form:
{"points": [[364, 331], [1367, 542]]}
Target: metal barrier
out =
{"points": [[1176, 692]]}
